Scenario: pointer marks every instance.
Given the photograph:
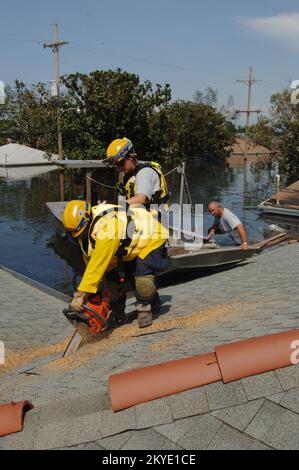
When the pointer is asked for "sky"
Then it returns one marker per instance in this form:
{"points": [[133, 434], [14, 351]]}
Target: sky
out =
{"points": [[190, 44]]}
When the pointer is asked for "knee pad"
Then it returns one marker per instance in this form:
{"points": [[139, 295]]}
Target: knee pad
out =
{"points": [[145, 287]]}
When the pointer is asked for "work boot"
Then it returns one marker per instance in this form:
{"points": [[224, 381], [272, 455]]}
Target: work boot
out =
{"points": [[145, 317]]}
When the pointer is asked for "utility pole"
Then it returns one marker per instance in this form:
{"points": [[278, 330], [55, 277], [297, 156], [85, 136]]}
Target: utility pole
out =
{"points": [[55, 46], [249, 82]]}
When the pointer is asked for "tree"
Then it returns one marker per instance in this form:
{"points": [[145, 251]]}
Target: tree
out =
{"points": [[195, 130], [280, 132], [7, 130], [32, 116], [209, 97], [114, 104]]}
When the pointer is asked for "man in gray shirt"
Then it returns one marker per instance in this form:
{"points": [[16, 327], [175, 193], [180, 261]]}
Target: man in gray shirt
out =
{"points": [[142, 182], [147, 182], [226, 222]]}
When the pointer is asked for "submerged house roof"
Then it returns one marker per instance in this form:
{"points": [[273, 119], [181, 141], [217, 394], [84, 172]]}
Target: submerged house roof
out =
{"points": [[239, 148], [21, 155]]}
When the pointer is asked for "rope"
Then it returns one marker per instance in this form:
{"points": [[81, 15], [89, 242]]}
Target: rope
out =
{"points": [[101, 184], [171, 171], [114, 187]]}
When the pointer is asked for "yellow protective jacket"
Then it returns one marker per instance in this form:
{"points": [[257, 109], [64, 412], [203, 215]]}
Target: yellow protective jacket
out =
{"points": [[106, 235]]}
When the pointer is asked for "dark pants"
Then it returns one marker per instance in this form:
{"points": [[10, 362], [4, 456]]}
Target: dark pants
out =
{"points": [[147, 268]]}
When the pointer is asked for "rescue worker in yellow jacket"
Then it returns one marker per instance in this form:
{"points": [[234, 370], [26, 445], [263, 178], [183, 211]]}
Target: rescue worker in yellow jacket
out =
{"points": [[118, 243], [143, 182]]}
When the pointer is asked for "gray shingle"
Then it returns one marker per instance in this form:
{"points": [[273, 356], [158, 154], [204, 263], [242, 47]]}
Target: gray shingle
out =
{"points": [[239, 416], [262, 385], [176, 430], [284, 433], [116, 442], [190, 403], [149, 439], [290, 400], [227, 438], [88, 446], [153, 413], [69, 432], [201, 432], [222, 395], [115, 423], [276, 398], [267, 419], [288, 377]]}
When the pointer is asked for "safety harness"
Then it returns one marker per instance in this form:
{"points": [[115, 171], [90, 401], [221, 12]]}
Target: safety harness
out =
{"points": [[127, 187]]}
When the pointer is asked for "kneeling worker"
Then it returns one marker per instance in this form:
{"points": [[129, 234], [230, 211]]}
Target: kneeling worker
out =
{"points": [[226, 222], [115, 241]]}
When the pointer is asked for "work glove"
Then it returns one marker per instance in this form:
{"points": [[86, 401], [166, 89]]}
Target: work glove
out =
{"points": [[78, 300]]}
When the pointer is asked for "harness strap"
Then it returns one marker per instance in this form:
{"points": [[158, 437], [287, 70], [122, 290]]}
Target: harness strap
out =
{"points": [[156, 197]]}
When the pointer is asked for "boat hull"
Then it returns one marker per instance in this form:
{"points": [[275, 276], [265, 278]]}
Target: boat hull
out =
{"points": [[276, 209]]}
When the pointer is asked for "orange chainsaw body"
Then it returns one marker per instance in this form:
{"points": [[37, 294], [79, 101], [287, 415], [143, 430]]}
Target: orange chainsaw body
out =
{"points": [[97, 312]]}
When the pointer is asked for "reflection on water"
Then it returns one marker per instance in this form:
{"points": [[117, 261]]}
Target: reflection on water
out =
{"points": [[26, 225]]}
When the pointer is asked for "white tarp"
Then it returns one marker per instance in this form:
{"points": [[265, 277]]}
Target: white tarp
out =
{"points": [[25, 173], [21, 155]]}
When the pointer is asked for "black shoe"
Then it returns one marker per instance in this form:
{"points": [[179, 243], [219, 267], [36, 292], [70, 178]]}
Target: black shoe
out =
{"points": [[120, 319], [116, 319]]}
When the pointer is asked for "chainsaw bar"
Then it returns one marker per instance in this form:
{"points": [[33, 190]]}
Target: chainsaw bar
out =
{"points": [[74, 344], [91, 321]]}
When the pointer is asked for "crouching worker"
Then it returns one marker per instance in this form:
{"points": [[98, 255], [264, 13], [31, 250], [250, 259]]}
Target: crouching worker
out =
{"points": [[117, 242]]}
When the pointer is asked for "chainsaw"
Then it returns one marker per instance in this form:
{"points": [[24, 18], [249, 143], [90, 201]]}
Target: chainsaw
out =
{"points": [[94, 319], [95, 313]]}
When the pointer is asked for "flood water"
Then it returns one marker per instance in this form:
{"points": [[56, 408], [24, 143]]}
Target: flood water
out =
{"points": [[26, 225]]}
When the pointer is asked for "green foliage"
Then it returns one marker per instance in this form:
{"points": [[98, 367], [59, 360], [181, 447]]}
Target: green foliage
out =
{"points": [[31, 115], [98, 107], [195, 130], [280, 133], [114, 105], [209, 97]]}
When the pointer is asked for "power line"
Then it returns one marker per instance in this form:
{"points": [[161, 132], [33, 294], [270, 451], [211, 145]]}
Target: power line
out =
{"points": [[111, 53], [20, 40], [29, 20]]}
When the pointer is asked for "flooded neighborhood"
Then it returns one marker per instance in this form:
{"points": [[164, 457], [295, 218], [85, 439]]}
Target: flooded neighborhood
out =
{"points": [[149, 221]]}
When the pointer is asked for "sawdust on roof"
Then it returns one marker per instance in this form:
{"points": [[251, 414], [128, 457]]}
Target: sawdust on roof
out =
{"points": [[109, 340]]}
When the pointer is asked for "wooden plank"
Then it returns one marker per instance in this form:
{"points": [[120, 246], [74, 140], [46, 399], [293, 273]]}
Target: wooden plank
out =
{"points": [[272, 241]]}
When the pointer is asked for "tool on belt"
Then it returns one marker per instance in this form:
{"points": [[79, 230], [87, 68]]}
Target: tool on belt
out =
{"points": [[95, 313]]}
